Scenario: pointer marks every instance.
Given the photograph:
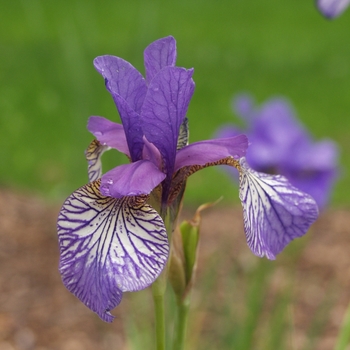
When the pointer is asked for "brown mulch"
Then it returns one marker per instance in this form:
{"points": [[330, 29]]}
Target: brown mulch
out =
{"points": [[37, 312]]}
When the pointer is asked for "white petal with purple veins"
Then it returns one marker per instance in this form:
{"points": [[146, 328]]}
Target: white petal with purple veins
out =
{"points": [[274, 211], [109, 246]]}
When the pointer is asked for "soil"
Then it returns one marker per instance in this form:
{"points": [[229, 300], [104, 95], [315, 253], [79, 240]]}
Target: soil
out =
{"points": [[37, 312]]}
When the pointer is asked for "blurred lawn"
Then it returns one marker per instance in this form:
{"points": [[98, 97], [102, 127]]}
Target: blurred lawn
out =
{"points": [[49, 87]]}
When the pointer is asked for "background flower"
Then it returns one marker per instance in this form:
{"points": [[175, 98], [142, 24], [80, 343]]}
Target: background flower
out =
{"points": [[332, 8], [279, 144]]}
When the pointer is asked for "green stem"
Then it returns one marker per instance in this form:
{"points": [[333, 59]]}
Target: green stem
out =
{"points": [[183, 307], [158, 290]]}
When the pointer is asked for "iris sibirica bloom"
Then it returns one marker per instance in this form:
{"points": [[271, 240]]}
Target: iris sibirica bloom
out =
{"points": [[332, 8], [112, 232], [280, 145]]}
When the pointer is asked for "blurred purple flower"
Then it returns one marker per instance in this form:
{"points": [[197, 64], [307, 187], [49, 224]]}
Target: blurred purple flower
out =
{"points": [[111, 240], [332, 8], [280, 145]]}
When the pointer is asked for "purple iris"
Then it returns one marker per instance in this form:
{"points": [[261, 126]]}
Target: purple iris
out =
{"points": [[280, 145], [112, 240], [332, 8], [111, 231]]}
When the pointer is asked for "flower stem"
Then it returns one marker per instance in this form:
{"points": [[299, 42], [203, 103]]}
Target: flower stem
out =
{"points": [[183, 307], [158, 290]]}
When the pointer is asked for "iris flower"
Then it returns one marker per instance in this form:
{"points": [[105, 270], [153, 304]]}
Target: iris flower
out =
{"points": [[281, 145], [332, 8], [111, 231]]}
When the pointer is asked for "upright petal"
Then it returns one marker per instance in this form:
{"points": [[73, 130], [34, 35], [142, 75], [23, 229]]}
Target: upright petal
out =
{"points": [[332, 8], [128, 89], [109, 246], [131, 179], [164, 110], [161, 53], [109, 133], [203, 152], [274, 211]]}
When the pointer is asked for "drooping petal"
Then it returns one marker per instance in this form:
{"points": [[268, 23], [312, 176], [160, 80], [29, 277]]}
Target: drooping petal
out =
{"points": [[161, 53], [164, 110], [274, 211], [109, 133], [132, 179], [203, 152], [128, 89], [332, 8], [108, 246], [93, 156]]}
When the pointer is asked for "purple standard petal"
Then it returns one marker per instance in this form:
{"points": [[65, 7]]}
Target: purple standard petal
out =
{"points": [[332, 8], [203, 152], [128, 89], [161, 53], [132, 179], [108, 246], [164, 110], [109, 133], [274, 211]]}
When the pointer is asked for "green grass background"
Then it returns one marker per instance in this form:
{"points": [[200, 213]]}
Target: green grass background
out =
{"points": [[49, 86]]}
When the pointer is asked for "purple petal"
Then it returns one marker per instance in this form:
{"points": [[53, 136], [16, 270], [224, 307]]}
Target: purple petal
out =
{"points": [[332, 8], [313, 168], [109, 133], [164, 110], [274, 134], [228, 130], [243, 105], [274, 211], [93, 155], [203, 152], [107, 247], [128, 89], [161, 53], [150, 152], [317, 156], [132, 179]]}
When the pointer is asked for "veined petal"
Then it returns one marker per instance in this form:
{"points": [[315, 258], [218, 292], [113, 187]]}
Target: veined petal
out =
{"points": [[109, 133], [93, 156], [109, 246], [132, 179], [128, 89], [332, 8], [203, 152], [164, 110], [274, 211], [161, 53], [122, 79]]}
